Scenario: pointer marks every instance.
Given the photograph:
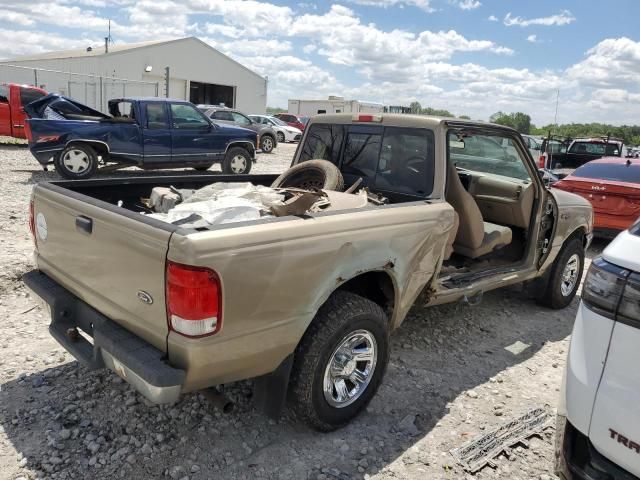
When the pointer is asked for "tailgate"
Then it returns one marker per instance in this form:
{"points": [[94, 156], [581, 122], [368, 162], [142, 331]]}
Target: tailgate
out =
{"points": [[109, 259]]}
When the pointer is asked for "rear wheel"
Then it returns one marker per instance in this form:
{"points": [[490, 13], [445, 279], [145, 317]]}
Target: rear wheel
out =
{"points": [[340, 361], [267, 144], [236, 161], [565, 276], [77, 162]]}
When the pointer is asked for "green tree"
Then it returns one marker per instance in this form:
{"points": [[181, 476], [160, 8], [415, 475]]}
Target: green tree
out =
{"points": [[464, 117], [518, 120], [415, 107]]}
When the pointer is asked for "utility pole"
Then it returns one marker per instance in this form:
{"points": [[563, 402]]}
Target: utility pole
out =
{"points": [[166, 82]]}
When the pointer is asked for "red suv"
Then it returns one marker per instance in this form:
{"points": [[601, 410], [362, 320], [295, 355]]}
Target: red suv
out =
{"points": [[292, 120]]}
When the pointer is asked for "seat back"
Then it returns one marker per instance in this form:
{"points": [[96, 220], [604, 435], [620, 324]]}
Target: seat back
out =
{"points": [[471, 229]]}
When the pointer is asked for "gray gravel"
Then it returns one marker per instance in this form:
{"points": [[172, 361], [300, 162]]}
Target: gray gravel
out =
{"points": [[449, 379]]}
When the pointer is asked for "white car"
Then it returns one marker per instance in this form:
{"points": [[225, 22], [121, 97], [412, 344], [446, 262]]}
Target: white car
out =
{"points": [[285, 133], [598, 435]]}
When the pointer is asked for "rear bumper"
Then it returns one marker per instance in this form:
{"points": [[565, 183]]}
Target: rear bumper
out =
{"points": [[45, 154], [113, 347], [577, 459]]}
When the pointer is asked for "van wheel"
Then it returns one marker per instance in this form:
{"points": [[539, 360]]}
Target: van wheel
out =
{"points": [[236, 161], [77, 162], [340, 361], [565, 276]]}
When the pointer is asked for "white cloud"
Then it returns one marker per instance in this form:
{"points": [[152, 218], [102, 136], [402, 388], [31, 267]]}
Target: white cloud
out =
{"points": [[310, 48], [34, 42], [613, 62], [493, 18], [468, 4], [422, 4], [532, 39], [563, 18], [17, 18]]}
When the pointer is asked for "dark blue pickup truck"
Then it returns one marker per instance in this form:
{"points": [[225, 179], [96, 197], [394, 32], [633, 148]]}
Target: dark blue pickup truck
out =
{"points": [[149, 133]]}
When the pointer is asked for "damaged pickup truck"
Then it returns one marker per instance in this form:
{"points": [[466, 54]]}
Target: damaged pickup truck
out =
{"points": [[182, 283], [148, 133]]}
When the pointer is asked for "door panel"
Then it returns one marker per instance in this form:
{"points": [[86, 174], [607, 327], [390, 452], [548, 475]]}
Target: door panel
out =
{"points": [[191, 134], [156, 134]]}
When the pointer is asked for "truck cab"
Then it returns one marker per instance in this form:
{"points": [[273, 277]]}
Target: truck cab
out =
{"points": [[13, 99]]}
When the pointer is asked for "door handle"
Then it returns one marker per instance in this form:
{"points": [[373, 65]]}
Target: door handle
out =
{"points": [[84, 224]]}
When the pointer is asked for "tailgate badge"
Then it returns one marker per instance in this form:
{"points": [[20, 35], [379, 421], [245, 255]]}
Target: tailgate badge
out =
{"points": [[41, 226], [145, 297]]}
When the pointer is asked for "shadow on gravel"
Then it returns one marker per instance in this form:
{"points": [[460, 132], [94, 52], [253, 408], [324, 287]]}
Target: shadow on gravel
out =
{"points": [[91, 425]]}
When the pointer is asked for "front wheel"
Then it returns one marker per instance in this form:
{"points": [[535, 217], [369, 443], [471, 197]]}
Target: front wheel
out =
{"points": [[340, 361], [280, 136], [236, 161], [565, 276], [77, 162]]}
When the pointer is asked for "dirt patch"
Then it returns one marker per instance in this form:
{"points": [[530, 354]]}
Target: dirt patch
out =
{"points": [[451, 376]]}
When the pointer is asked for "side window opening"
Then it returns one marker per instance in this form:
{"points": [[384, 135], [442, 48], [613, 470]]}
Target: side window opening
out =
{"points": [[486, 153], [4, 94], [156, 116]]}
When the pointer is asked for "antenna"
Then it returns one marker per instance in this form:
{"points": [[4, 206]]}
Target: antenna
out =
{"points": [[555, 118], [108, 39]]}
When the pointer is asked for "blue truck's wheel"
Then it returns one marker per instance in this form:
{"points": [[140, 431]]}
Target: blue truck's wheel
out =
{"points": [[77, 162], [236, 161]]}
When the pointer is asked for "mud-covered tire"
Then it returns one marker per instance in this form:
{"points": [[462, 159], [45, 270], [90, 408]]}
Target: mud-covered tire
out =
{"points": [[78, 161], [236, 161], [343, 314], [566, 274], [267, 144], [319, 174]]}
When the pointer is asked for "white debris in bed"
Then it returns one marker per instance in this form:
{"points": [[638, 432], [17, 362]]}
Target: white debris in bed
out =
{"points": [[222, 203]]}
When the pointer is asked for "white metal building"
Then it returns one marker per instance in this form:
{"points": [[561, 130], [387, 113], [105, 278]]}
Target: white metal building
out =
{"points": [[333, 104], [198, 73]]}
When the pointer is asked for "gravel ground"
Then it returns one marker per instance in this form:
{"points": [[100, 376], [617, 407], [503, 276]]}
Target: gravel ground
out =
{"points": [[449, 379]]}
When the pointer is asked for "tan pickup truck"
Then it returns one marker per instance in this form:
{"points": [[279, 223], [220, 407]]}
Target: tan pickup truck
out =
{"points": [[303, 304]]}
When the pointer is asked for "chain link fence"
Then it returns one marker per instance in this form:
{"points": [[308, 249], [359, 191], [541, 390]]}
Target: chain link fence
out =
{"points": [[92, 90]]}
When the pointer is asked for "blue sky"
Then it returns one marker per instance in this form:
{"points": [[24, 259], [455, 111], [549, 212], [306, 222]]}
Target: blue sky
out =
{"points": [[471, 57]]}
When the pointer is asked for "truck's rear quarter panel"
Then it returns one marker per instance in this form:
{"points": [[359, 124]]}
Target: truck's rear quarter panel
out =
{"points": [[107, 267], [275, 276]]}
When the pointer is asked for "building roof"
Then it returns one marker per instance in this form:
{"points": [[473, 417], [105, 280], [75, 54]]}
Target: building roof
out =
{"points": [[94, 52], [98, 51]]}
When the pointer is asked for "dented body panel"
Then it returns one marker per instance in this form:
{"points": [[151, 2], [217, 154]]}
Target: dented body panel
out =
{"points": [[290, 270]]}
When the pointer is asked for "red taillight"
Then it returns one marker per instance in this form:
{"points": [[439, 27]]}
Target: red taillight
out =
{"points": [[194, 300], [541, 161], [32, 221]]}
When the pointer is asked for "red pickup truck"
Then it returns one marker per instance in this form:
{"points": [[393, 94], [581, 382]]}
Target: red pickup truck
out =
{"points": [[13, 98]]}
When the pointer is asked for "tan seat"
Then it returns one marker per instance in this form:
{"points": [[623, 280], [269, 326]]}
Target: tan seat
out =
{"points": [[475, 237]]}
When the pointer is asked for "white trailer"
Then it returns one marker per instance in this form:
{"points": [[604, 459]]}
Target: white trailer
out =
{"points": [[309, 108]]}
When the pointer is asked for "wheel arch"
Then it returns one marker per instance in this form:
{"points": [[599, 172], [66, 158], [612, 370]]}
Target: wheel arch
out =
{"points": [[246, 144], [100, 147]]}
